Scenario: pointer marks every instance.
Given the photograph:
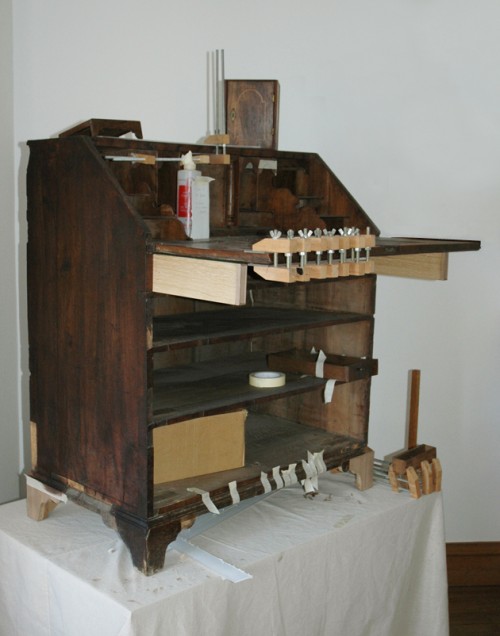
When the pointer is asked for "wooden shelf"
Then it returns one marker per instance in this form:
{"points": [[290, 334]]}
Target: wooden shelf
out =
{"points": [[270, 442], [217, 386], [211, 327]]}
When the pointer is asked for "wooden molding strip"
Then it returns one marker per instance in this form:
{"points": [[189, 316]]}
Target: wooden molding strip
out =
{"points": [[471, 564], [425, 266]]}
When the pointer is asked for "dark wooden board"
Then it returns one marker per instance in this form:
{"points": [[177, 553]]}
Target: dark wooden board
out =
{"points": [[239, 249], [336, 367], [203, 328], [392, 246]]}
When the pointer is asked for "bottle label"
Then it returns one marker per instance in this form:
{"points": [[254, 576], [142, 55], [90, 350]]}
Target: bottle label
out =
{"points": [[184, 205]]}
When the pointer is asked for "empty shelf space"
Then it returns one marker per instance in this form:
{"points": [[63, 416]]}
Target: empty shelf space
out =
{"points": [[215, 386], [211, 327], [271, 443]]}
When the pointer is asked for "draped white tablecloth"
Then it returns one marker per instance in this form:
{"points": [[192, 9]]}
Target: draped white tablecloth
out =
{"points": [[346, 563]]}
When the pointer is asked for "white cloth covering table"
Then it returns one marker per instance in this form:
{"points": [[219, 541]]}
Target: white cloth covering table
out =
{"points": [[344, 563]]}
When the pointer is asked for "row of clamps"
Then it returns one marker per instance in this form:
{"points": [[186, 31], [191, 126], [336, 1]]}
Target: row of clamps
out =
{"points": [[316, 254]]}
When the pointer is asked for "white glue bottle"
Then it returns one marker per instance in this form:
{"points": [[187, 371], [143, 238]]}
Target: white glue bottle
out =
{"points": [[185, 179]]}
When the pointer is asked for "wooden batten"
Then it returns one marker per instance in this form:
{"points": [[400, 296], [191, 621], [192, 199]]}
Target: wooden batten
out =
{"points": [[423, 266], [203, 279]]}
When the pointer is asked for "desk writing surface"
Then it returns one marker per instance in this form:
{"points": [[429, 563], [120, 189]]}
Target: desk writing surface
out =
{"points": [[345, 562]]}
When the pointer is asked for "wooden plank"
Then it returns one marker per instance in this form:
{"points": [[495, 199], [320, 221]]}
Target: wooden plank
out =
{"points": [[222, 282], [423, 266]]}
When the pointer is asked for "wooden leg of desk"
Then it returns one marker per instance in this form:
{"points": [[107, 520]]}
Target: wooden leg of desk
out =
{"points": [[39, 504], [147, 545], [362, 467]]}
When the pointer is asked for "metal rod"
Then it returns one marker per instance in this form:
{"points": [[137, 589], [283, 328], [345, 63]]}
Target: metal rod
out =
{"points": [[209, 131], [214, 93], [222, 95], [217, 116]]}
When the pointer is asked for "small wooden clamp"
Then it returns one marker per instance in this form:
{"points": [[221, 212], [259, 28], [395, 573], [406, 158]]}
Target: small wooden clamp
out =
{"points": [[419, 481], [215, 159], [413, 457], [419, 478]]}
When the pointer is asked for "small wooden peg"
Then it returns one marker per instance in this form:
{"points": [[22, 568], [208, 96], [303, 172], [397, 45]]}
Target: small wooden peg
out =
{"points": [[362, 467], [217, 140]]}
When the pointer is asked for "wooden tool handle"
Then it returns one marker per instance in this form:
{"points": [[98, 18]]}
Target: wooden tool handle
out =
{"points": [[413, 412]]}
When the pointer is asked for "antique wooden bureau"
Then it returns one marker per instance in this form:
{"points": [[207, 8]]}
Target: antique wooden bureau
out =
{"points": [[136, 331]]}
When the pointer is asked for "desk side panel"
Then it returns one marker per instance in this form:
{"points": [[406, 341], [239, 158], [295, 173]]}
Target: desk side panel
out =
{"points": [[88, 322]]}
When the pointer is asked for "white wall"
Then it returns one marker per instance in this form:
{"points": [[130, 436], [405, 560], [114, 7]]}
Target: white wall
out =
{"points": [[9, 323], [402, 100]]}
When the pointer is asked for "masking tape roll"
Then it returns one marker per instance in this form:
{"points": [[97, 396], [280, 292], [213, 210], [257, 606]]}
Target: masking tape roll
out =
{"points": [[266, 379]]}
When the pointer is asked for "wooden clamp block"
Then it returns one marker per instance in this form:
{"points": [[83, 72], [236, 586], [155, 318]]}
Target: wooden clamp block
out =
{"points": [[437, 474], [362, 241], [282, 245], [344, 242], [217, 140], [427, 479], [332, 242], [393, 479], [317, 271], [413, 482], [357, 268], [282, 274], [413, 457], [215, 159], [332, 271], [344, 269], [369, 267]]}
